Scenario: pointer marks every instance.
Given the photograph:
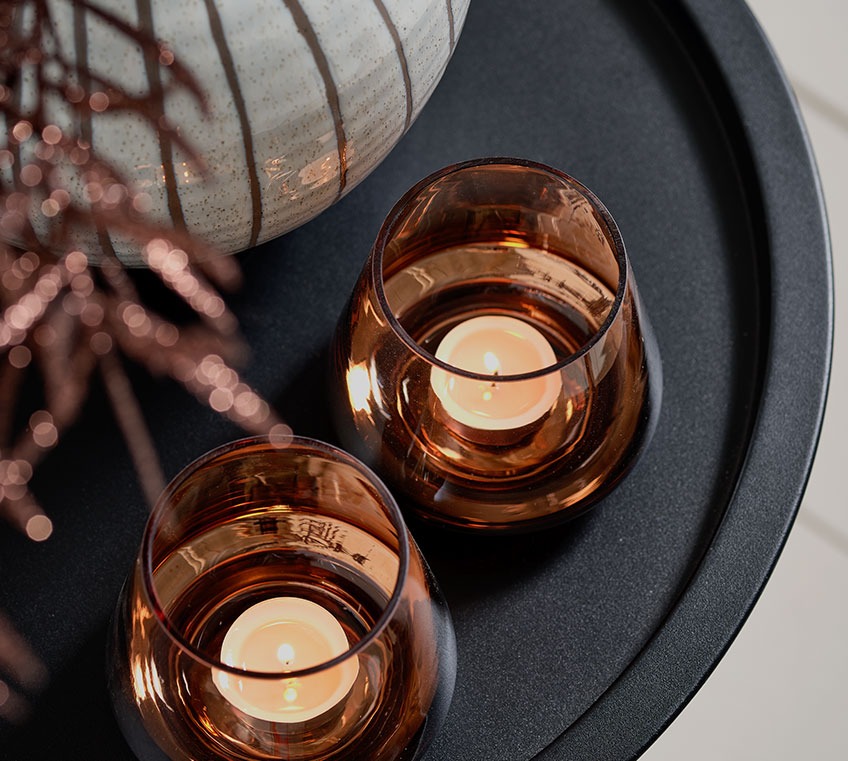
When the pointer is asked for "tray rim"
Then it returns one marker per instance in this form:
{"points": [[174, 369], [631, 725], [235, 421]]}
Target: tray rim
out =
{"points": [[682, 652]]}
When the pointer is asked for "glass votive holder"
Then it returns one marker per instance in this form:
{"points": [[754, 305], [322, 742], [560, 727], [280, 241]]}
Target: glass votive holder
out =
{"points": [[495, 363], [279, 609]]}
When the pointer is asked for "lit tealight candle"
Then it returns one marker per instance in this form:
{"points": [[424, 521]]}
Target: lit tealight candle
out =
{"points": [[495, 345], [286, 634]]}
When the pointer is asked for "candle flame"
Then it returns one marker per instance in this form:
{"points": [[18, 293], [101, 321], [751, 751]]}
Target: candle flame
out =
{"points": [[491, 362], [285, 653]]}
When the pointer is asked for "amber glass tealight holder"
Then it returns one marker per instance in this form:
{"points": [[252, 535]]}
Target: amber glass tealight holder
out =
{"points": [[495, 363], [279, 609]]}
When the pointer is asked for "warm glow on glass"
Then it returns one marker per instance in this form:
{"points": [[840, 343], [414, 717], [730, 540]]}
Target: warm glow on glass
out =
{"points": [[495, 345], [359, 388], [286, 634]]}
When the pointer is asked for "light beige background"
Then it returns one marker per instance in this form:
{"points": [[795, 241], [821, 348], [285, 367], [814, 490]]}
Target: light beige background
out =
{"points": [[781, 692]]}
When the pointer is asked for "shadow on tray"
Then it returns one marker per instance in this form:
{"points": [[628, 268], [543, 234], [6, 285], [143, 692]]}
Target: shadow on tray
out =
{"points": [[72, 719]]}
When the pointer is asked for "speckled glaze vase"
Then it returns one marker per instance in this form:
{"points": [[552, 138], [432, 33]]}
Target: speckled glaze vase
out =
{"points": [[305, 98]]}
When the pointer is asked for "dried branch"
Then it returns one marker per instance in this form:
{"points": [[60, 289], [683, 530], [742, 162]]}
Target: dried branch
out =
{"points": [[69, 307], [67, 304], [23, 667]]}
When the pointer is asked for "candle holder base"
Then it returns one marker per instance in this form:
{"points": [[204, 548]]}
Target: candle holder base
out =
{"points": [[297, 539], [473, 248]]}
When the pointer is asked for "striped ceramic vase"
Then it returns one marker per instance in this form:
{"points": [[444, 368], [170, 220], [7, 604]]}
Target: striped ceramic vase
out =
{"points": [[305, 98]]}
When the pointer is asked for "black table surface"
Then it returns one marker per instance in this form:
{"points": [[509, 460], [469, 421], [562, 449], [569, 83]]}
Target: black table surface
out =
{"points": [[584, 642]]}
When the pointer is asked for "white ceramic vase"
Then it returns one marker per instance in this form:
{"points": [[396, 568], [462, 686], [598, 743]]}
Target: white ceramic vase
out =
{"points": [[305, 98]]}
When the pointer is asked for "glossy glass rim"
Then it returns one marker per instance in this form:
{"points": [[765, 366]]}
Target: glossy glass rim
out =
{"points": [[390, 508], [398, 211]]}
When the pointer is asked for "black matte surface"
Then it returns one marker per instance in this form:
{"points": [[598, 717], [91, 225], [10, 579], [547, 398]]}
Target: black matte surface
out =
{"points": [[580, 643]]}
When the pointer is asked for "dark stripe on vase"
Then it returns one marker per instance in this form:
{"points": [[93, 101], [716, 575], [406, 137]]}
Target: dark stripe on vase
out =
{"points": [[28, 236], [13, 80], [407, 83], [81, 51], [306, 30], [157, 106], [226, 57], [85, 127], [450, 24]]}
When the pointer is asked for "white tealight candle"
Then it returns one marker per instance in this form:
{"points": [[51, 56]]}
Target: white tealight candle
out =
{"points": [[495, 345], [285, 634]]}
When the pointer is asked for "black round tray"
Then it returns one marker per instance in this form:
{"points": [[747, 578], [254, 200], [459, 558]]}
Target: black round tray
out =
{"points": [[580, 643]]}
